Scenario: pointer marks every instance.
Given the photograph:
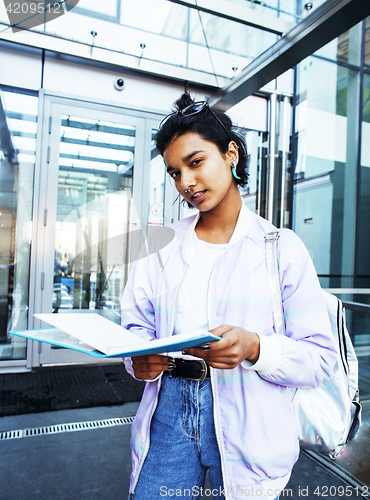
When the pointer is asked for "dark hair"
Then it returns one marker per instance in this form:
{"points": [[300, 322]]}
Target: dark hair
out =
{"points": [[207, 126]]}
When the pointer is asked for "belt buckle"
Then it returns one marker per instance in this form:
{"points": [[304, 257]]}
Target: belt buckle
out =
{"points": [[203, 371]]}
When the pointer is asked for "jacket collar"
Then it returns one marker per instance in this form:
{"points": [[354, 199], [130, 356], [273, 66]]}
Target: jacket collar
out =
{"points": [[241, 229]]}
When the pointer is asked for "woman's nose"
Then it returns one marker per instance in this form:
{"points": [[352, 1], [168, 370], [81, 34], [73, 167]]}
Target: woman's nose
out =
{"points": [[187, 180]]}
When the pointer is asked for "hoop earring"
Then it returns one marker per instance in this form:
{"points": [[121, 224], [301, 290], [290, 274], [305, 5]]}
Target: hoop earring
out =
{"points": [[233, 170]]}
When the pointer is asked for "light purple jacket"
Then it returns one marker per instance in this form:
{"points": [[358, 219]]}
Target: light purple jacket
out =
{"points": [[256, 429]]}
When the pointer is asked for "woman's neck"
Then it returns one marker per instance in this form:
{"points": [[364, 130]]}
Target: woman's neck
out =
{"points": [[218, 226]]}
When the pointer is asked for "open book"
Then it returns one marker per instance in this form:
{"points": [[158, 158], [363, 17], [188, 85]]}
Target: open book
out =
{"points": [[93, 334]]}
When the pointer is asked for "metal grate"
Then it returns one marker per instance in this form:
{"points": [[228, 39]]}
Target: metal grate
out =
{"points": [[71, 427]]}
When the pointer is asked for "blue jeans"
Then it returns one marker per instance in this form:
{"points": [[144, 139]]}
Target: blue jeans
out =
{"points": [[182, 444]]}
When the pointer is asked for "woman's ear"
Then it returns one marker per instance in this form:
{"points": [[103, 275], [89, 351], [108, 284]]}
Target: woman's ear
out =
{"points": [[232, 152]]}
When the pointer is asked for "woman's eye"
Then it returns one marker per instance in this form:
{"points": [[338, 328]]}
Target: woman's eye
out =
{"points": [[195, 163], [174, 175]]}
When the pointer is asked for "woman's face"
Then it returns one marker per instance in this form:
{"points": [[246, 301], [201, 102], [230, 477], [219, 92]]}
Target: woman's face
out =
{"points": [[199, 166]]}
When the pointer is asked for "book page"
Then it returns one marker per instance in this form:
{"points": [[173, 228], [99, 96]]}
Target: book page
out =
{"points": [[56, 337], [93, 329]]}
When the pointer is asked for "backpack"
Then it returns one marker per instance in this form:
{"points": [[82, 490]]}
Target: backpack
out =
{"points": [[330, 415]]}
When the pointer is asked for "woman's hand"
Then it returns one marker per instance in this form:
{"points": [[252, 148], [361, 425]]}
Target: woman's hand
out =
{"points": [[235, 346], [150, 366]]}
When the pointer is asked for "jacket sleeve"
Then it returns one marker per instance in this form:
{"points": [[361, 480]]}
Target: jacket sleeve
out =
{"points": [[140, 297], [306, 353], [137, 311]]}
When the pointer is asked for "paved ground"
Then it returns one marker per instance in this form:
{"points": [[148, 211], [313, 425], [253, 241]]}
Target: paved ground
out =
{"points": [[95, 464]]}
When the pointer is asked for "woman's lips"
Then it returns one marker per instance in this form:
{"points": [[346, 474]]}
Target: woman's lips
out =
{"points": [[199, 196]]}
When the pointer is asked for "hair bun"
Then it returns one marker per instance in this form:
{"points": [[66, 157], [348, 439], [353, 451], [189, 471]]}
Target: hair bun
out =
{"points": [[184, 101]]}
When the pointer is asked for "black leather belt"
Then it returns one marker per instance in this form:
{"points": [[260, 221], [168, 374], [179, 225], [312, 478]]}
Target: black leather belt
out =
{"points": [[191, 370]]}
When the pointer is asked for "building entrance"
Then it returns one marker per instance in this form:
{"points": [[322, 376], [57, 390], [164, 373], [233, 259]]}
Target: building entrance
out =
{"points": [[90, 217]]}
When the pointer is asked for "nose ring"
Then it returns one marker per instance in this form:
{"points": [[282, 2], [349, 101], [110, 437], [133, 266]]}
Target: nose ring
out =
{"points": [[187, 190]]}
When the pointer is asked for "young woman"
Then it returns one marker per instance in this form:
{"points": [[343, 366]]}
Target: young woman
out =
{"points": [[223, 407]]}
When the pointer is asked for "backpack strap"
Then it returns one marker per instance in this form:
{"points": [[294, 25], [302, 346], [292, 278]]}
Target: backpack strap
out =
{"points": [[271, 240]]}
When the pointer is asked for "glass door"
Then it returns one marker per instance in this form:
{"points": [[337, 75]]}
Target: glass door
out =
{"points": [[18, 126], [254, 194], [92, 171]]}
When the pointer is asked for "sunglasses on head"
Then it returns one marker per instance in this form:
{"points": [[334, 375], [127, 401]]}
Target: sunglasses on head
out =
{"points": [[194, 109]]}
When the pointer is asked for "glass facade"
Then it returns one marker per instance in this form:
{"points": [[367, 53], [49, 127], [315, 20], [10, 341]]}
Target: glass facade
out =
{"points": [[163, 32], [170, 32], [331, 181], [18, 122], [361, 319], [325, 168], [363, 276]]}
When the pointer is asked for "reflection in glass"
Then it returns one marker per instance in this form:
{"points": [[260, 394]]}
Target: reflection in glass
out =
{"points": [[18, 122], [346, 48], [96, 161], [326, 168], [367, 43]]}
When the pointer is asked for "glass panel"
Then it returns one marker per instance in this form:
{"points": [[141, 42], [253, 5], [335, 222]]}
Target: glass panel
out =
{"points": [[106, 8], [254, 194], [156, 186], [326, 169], [367, 43], [231, 45], [346, 48], [363, 279], [283, 163], [295, 9], [140, 12], [161, 17], [94, 194], [18, 123], [361, 321]]}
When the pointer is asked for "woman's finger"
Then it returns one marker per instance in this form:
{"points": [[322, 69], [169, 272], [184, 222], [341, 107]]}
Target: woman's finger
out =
{"points": [[147, 367], [221, 330], [220, 345]]}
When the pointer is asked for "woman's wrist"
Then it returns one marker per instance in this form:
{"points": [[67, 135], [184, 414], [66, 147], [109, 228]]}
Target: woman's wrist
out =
{"points": [[254, 349]]}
